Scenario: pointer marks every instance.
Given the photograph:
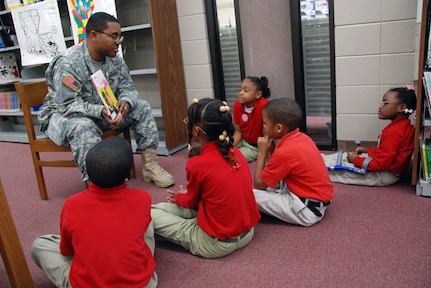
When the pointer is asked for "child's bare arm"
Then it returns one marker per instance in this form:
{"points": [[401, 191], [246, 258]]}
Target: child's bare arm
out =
{"points": [[265, 146]]}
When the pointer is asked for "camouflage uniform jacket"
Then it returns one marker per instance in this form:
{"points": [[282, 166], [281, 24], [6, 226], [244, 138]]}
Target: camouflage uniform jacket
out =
{"points": [[70, 91]]}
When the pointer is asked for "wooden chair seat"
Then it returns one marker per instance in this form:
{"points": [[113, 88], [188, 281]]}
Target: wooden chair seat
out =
{"points": [[33, 94]]}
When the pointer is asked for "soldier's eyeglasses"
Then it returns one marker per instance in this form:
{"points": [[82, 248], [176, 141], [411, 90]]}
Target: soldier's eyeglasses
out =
{"points": [[116, 38]]}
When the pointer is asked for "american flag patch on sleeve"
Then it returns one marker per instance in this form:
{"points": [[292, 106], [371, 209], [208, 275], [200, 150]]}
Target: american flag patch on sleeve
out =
{"points": [[70, 82]]}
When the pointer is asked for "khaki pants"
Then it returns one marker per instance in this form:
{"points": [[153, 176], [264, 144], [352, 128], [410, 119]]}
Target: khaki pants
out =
{"points": [[45, 252], [286, 206], [382, 178], [178, 225], [249, 151]]}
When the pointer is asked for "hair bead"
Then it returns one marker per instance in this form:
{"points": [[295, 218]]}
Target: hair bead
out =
{"points": [[408, 111], [409, 88], [224, 108], [223, 136]]}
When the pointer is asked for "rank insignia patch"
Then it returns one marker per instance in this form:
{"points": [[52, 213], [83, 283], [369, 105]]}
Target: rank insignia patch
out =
{"points": [[70, 82]]}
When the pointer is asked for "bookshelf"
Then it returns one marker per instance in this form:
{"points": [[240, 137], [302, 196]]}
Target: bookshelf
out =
{"points": [[151, 49], [423, 122]]}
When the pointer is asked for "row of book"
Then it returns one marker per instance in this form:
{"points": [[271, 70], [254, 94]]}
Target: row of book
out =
{"points": [[426, 158], [9, 102], [427, 88]]}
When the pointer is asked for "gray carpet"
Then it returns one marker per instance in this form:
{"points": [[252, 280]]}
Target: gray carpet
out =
{"points": [[370, 237]]}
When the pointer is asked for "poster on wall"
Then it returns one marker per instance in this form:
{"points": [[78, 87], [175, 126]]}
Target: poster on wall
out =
{"points": [[314, 9], [81, 10], [39, 32]]}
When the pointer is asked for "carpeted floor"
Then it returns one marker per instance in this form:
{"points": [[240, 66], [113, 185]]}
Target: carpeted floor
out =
{"points": [[370, 237]]}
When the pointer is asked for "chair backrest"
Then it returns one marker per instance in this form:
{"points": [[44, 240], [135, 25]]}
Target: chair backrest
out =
{"points": [[30, 95]]}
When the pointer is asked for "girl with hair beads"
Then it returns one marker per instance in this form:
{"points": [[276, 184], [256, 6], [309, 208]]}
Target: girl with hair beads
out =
{"points": [[384, 164], [216, 214], [247, 113]]}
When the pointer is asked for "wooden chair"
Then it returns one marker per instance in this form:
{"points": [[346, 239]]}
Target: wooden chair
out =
{"points": [[33, 94], [11, 249]]}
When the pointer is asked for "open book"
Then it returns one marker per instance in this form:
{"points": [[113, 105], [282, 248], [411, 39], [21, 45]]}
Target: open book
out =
{"points": [[105, 92]]}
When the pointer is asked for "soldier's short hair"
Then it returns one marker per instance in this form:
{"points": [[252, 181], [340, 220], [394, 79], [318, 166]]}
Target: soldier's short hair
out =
{"points": [[99, 21]]}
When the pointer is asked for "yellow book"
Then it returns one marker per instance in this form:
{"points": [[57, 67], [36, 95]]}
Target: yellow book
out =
{"points": [[105, 92], [424, 161]]}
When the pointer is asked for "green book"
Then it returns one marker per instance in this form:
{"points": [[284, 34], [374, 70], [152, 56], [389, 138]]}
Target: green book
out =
{"points": [[428, 155]]}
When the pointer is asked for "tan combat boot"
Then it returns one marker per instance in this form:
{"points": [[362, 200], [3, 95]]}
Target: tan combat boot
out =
{"points": [[152, 170]]}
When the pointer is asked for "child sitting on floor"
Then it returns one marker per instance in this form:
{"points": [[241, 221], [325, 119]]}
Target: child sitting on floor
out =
{"points": [[106, 234], [296, 161], [384, 164], [217, 213], [247, 113]]}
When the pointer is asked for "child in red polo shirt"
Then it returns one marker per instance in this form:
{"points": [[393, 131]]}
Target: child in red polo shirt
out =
{"points": [[106, 234], [216, 214], [247, 113], [385, 163], [296, 161]]}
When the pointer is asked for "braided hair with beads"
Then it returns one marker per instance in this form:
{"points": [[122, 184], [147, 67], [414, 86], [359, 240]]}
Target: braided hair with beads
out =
{"points": [[214, 118]]}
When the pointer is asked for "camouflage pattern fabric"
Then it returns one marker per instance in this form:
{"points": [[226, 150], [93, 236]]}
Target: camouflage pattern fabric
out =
{"points": [[72, 111]]}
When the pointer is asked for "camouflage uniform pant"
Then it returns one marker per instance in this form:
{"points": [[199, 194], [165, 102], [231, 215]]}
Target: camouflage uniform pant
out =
{"points": [[81, 133]]}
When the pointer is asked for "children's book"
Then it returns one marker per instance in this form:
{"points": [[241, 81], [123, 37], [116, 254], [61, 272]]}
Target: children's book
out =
{"points": [[428, 156], [424, 160], [105, 92], [427, 88]]}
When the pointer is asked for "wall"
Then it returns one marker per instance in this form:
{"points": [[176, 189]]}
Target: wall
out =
{"points": [[195, 49], [374, 46], [375, 50], [267, 44]]}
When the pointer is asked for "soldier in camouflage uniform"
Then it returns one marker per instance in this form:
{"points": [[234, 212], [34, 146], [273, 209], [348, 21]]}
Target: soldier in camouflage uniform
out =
{"points": [[73, 114]]}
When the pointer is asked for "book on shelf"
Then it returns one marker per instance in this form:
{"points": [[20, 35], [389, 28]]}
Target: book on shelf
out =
{"points": [[8, 66], [105, 92], [424, 160], [428, 155], [427, 88], [9, 102]]}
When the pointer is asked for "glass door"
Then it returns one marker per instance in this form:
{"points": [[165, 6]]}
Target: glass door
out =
{"points": [[312, 27], [226, 50]]}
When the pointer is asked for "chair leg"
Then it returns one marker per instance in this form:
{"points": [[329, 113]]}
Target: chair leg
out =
{"points": [[133, 172], [126, 135], [41, 182], [39, 175]]}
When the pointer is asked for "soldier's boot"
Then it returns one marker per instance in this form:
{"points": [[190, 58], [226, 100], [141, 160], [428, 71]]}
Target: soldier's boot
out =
{"points": [[152, 170]]}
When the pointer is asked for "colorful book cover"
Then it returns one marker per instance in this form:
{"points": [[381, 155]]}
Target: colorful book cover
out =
{"points": [[427, 87], [8, 66], [424, 161], [428, 155], [105, 92]]}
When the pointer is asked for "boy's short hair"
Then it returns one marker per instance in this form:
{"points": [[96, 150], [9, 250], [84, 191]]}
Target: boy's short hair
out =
{"points": [[285, 111], [109, 162]]}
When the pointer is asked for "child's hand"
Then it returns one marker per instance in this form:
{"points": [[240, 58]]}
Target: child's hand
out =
{"points": [[351, 156], [172, 194], [360, 150], [265, 144]]}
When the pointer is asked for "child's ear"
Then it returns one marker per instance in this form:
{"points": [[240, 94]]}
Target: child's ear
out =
{"points": [[259, 94], [279, 128]]}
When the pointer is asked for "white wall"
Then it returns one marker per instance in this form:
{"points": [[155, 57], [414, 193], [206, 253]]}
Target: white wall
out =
{"points": [[195, 49], [375, 50]]}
